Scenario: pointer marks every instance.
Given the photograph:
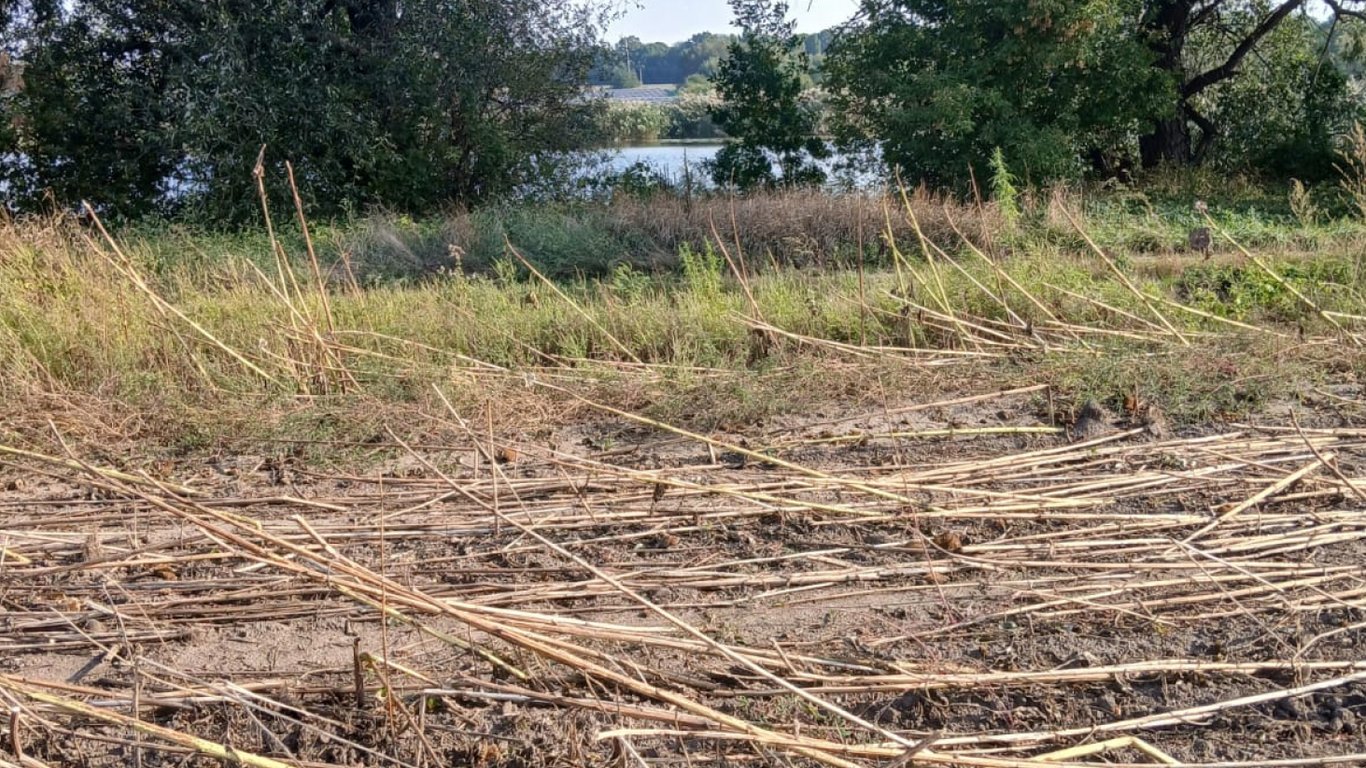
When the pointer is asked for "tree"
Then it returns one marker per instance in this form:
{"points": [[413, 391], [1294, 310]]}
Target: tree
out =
{"points": [[90, 115], [1286, 112], [940, 84], [1169, 26], [762, 108], [658, 63], [153, 106], [1185, 134]]}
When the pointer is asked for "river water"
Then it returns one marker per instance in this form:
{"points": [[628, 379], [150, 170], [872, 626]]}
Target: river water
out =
{"points": [[670, 159], [681, 160]]}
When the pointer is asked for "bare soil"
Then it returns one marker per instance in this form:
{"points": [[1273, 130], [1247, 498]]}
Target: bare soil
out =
{"points": [[1003, 591]]}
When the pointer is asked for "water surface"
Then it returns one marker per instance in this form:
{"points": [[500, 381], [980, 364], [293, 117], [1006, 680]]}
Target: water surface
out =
{"points": [[673, 160], [677, 161]]}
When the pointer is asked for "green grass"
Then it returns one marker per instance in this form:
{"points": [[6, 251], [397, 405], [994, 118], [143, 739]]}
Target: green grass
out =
{"points": [[74, 329]]}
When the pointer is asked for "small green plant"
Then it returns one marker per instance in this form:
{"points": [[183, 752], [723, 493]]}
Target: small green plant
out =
{"points": [[628, 282], [1004, 191], [505, 271], [1302, 205], [701, 269]]}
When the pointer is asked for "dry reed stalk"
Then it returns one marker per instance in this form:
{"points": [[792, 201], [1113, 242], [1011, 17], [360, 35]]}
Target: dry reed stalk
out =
{"points": [[125, 266], [850, 484], [1331, 465], [1281, 280], [562, 653], [1124, 279], [326, 358], [936, 679], [109, 474], [572, 304], [12, 557], [924, 434], [1184, 716], [848, 349], [1261, 496], [1107, 307], [199, 745], [282, 267], [737, 269], [996, 268], [942, 293], [1110, 745], [705, 639], [318, 281], [1001, 339], [1217, 318], [1117, 560]]}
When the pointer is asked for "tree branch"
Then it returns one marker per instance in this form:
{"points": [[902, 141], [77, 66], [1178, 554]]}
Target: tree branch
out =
{"points": [[1204, 13], [1230, 67], [1340, 10], [1208, 133]]}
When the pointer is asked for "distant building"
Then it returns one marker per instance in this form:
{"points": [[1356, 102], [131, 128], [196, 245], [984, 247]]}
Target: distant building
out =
{"points": [[649, 94]]}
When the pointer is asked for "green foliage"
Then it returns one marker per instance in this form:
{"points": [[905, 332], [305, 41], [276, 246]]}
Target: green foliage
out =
{"points": [[760, 83], [620, 76], [691, 116], [639, 180], [1351, 169], [659, 63], [1302, 205], [702, 269], [1003, 189], [939, 83], [630, 122], [1288, 109], [634, 122], [1246, 292], [628, 282], [408, 106], [90, 121], [562, 242], [700, 84], [632, 62]]}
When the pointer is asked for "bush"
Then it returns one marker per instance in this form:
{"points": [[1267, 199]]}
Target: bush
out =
{"points": [[633, 122], [691, 117], [804, 228]]}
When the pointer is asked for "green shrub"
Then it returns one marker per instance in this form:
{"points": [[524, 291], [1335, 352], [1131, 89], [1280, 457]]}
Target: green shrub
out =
{"points": [[702, 269]]}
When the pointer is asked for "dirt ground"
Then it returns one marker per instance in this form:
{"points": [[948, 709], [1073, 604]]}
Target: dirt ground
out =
{"points": [[959, 573]]}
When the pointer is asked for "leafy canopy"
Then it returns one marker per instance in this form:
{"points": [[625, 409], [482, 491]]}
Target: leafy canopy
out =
{"points": [[940, 84], [154, 106], [763, 108]]}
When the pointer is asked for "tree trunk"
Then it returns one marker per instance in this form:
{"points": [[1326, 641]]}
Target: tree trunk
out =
{"points": [[1167, 23], [1169, 142]]}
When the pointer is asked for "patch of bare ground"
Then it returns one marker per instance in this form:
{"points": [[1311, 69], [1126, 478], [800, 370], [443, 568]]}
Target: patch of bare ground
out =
{"points": [[978, 580]]}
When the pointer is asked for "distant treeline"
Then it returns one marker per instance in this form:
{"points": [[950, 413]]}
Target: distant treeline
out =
{"points": [[631, 62]]}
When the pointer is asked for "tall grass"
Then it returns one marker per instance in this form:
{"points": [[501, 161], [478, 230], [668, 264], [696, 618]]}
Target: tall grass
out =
{"points": [[152, 331], [802, 228]]}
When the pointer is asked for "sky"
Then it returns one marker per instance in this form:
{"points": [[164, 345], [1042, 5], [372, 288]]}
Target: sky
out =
{"points": [[671, 21]]}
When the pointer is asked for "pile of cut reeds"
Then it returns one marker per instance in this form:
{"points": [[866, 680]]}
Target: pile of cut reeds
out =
{"points": [[508, 572]]}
